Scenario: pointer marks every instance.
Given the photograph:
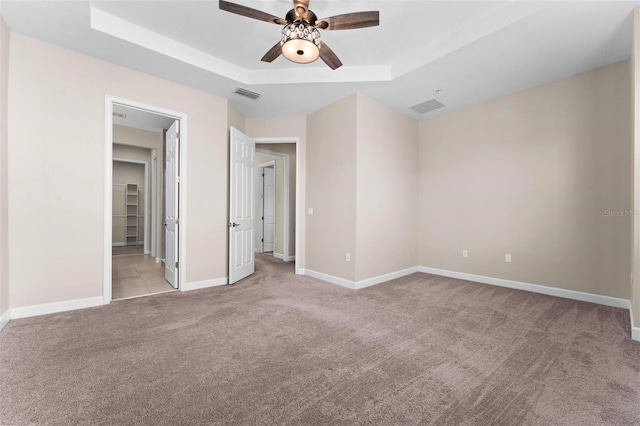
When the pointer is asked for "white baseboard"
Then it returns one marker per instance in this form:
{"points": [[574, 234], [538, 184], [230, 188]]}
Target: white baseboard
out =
{"points": [[330, 279], [278, 255], [52, 308], [197, 285], [118, 244], [386, 277], [4, 319], [290, 259], [158, 260], [534, 288], [301, 271], [635, 331], [356, 285]]}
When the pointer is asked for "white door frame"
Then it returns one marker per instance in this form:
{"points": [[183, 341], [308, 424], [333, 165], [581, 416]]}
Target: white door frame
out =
{"points": [[108, 182], [146, 196], [271, 163], [299, 200]]}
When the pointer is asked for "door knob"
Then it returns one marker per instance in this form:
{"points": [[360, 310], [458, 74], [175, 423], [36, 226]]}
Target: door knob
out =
{"points": [[234, 224]]}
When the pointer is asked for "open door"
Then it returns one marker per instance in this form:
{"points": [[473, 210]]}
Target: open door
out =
{"points": [[241, 227], [172, 190], [268, 209]]}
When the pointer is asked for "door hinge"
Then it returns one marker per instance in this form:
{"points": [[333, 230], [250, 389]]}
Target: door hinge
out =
{"points": [[176, 265], [262, 240], [177, 135], [262, 217], [178, 179], [177, 221]]}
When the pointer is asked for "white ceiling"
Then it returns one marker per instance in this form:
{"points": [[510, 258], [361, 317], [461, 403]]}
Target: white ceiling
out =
{"points": [[471, 51]]}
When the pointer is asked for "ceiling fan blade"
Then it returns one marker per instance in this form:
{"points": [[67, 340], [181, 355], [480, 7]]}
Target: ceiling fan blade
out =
{"points": [[350, 21], [301, 7], [273, 53], [329, 57], [250, 13]]}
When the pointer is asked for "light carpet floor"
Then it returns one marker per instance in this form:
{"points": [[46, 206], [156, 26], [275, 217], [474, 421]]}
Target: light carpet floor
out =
{"points": [[283, 349]]}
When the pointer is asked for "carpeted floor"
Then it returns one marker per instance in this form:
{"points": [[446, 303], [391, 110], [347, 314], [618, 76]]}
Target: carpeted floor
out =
{"points": [[283, 349]]}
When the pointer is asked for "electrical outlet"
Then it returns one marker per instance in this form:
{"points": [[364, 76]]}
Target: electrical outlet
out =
{"points": [[347, 257], [465, 253], [507, 258]]}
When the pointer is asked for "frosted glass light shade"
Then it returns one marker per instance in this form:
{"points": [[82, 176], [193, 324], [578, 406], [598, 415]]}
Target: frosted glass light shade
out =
{"points": [[300, 42]]}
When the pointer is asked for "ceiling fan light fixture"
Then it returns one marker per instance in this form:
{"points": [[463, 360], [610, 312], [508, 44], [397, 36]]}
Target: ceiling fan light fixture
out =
{"points": [[300, 42]]}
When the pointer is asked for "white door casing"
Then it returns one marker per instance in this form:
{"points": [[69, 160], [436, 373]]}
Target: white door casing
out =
{"points": [[172, 191], [269, 209], [241, 216]]}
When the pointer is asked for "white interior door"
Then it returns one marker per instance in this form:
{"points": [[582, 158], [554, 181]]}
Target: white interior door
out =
{"points": [[172, 189], [154, 201], [241, 227], [269, 209]]}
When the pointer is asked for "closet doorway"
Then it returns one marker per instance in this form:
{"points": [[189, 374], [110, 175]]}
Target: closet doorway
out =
{"points": [[144, 148]]}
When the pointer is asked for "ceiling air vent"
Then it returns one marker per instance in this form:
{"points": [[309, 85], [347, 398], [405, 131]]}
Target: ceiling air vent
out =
{"points": [[427, 106], [119, 115], [248, 93]]}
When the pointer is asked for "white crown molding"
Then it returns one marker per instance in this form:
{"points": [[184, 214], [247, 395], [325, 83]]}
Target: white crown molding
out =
{"points": [[127, 31], [503, 16], [132, 33]]}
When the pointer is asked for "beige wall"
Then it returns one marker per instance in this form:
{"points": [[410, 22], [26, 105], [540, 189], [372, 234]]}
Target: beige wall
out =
{"points": [[125, 173], [143, 145], [287, 127], [533, 174], [387, 190], [635, 167], [57, 102], [4, 167], [331, 189], [290, 150], [124, 135], [236, 119]]}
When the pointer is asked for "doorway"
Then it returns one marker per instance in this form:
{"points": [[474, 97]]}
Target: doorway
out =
{"points": [[282, 154], [243, 221], [135, 271], [144, 199]]}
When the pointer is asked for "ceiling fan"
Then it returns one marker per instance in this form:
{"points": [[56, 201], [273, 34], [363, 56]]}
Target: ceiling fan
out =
{"points": [[300, 41]]}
